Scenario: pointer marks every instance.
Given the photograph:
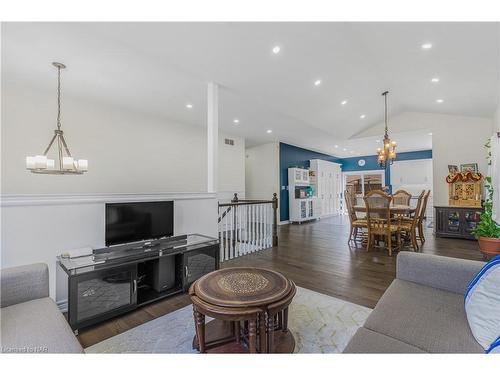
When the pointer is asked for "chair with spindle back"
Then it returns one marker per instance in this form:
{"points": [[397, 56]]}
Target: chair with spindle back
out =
{"points": [[380, 223], [409, 225], [355, 223], [401, 197], [421, 218]]}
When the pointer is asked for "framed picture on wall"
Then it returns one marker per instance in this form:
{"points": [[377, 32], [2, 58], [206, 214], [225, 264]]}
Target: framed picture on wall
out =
{"points": [[471, 167], [452, 169]]}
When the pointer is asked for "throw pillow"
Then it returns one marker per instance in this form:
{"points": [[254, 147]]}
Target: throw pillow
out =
{"points": [[482, 305]]}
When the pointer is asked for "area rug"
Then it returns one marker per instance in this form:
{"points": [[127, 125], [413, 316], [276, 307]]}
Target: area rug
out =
{"points": [[320, 324]]}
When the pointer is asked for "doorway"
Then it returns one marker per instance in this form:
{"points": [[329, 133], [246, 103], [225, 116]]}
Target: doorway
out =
{"points": [[359, 183]]}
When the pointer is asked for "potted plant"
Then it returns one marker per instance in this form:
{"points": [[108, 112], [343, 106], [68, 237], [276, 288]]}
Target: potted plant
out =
{"points": [[487, 230]]}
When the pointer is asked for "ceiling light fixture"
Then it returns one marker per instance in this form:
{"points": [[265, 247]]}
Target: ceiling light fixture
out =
{"points": [[66, 164], [336, 146], [388, 152], [362, 117], [236, 121], [343, 102], [269, 131], [439, 101], [430, 133], [426, 46], [435, 80], [317, 82], [189, 106], [276, 49], [344, 149]]}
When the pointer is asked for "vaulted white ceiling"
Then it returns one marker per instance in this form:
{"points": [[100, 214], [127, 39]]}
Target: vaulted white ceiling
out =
{"points": [[157, 68]]}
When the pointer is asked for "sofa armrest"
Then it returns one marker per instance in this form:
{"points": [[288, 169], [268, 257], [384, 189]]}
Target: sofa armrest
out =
{"points": [[25, 283], [451, 274]]}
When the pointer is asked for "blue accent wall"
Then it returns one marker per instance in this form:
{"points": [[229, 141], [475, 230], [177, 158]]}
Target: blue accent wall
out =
{"points": [[293, 156]]}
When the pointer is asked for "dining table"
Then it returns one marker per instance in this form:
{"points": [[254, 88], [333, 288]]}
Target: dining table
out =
{"points": [[396, 209]]}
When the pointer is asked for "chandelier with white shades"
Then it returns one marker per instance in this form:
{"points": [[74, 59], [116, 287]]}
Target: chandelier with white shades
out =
{"points": [[64, 162]]}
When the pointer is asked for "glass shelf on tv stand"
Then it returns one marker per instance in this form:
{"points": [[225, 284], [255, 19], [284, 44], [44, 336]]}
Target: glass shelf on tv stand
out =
{"points": [[120, 254]]}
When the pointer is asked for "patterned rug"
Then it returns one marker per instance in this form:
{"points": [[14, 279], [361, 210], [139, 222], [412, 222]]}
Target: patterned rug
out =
{"points": [[320, 324]]}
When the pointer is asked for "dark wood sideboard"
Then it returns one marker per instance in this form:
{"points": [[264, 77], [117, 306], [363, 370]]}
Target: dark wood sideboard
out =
{"points": [[456, 222]]}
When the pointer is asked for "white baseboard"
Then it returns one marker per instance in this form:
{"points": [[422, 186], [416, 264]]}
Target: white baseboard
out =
{"points": [[284, 222]]}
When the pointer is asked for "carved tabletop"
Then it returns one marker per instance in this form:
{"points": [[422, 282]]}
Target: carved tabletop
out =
{"points": [[242, 286]]}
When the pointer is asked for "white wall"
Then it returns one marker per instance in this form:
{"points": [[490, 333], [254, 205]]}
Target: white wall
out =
{"points": [[132, 157], [262, 171], [455, 140], [231, 168], [38, 228], [128, 152], [414, 176], [496, 119]]}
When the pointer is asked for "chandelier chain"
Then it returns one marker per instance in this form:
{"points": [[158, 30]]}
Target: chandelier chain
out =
{"points": [[58, 98]]}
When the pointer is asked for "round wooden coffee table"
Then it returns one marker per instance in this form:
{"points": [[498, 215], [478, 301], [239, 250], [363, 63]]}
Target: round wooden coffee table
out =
{"points": [[250, 308]]}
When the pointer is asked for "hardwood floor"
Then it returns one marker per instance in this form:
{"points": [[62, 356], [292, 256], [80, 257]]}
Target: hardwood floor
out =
{"points": [[315, 256]]}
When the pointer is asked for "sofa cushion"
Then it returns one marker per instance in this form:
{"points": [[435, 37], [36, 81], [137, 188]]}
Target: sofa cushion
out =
{"points": [[367, 341], [37, 326], [431, 319]]}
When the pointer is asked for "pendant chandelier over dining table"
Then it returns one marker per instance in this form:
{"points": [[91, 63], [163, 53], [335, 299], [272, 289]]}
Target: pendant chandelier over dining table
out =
{"points": [[386, 154], [65, 164]]}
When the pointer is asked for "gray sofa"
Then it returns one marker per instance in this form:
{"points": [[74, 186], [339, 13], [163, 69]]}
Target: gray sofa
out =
{"points": [[422, 311], [30, 320]]}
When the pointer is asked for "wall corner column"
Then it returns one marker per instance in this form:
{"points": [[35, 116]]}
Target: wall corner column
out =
{"points": [[212, 136]]}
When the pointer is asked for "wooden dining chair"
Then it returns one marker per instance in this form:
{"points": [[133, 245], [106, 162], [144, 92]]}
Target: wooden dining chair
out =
{"points": [[409, 225], [355, 224], [379, 221], [401, 197], [423, 209]]}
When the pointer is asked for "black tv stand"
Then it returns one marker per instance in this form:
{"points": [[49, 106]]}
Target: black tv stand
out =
{"points": [[114, 280]]}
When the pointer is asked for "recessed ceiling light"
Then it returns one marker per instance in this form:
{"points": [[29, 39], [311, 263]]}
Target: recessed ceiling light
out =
{"points": [[276, 49], [189, 106], [336, 146], [343, 102], [430, 133], [377, 140], [344, 149], [269, 131], [352, 152], [236, 121], [362, 117], [439, 101], [317, 82], [427, 46], [435, 80]]}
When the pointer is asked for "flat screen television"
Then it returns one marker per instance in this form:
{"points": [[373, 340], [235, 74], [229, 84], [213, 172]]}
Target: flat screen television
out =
{"points": [[138, 221]]}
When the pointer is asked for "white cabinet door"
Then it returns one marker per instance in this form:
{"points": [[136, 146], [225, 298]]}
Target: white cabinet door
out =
{"points": [[305, 175], [303, 209]]}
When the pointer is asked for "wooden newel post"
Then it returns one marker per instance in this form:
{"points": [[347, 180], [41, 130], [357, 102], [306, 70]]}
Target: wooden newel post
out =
{"points": [[275, 219]]}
